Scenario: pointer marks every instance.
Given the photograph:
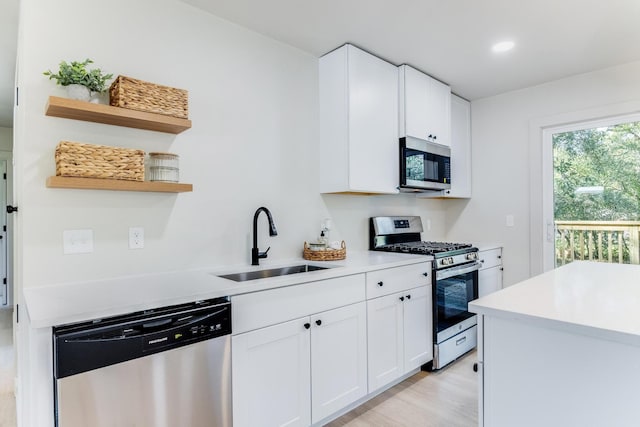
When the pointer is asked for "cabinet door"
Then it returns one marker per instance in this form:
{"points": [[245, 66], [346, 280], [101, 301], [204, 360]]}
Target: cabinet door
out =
{"points": [[425, 105], [460, 149], [489, 280], [439, 113], [373, 123], [270, 371], [385, 340], [338, 359], [418, 327], [416, 103], [358, 123]]}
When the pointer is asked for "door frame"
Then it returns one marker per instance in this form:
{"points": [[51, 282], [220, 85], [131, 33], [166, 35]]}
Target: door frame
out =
{"points": [[8, 157], [540, 167]]}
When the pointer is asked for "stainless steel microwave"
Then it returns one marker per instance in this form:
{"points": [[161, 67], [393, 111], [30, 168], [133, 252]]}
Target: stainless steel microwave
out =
{"points": [[424, 165]]}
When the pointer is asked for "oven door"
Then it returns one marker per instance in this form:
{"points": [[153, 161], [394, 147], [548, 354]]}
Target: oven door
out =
{"points": [[454, 288]]}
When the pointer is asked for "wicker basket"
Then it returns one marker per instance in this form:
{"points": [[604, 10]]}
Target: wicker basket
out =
{"points": [[99, 161], [325, 254], [139, 95]]}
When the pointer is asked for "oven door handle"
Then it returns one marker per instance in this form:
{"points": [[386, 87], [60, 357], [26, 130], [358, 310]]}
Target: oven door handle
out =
{"points": [[455, 271]]}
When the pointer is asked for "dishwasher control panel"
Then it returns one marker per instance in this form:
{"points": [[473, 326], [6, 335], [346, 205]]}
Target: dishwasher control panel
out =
{"points": [[192, 328], [90, 345]]}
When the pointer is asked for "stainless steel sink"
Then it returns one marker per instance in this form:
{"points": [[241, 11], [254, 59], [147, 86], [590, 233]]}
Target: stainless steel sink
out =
{"points": [[273, 272]]}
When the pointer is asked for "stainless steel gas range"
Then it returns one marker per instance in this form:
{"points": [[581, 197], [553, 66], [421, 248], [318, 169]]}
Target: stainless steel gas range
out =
{"points": [[455, 282]]}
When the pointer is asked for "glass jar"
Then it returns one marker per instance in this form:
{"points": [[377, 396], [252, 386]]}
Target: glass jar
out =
{"points": [[164, 167]]}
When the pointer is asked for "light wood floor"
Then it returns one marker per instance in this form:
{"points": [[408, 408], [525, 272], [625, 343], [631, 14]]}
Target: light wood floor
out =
{"points": [[7, 371], [445, 398]]}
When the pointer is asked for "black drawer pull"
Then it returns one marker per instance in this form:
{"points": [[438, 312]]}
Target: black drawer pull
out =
{"points": [[318, 322], [380, 283]]}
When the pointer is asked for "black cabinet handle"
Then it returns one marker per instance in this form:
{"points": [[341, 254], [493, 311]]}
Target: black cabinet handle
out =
{"points": [[425, 274], [482, 261], [380, 283], [307, 325], [499, 256], [318, 322], [501, 269], [435, 137], [401, 298], [409, 296]]}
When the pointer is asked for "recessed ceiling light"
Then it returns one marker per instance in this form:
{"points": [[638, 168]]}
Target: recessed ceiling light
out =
{"points": [[503, 46]]}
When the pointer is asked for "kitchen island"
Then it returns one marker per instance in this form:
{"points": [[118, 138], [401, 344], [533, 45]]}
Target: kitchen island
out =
{"points": [[561, 348]]}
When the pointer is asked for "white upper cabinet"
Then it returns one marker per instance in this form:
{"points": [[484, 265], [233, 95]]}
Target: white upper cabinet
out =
{"points": [[460, 148], [425, 106], [460, 152], [358, 123]]}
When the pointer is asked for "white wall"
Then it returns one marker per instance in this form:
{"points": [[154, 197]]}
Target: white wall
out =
{"points": [[253, 102], [502, 160], [6, 139]]}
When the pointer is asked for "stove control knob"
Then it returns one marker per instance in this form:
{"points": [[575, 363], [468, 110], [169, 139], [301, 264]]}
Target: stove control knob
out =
{"points": [[447, 261], [472, 256]]}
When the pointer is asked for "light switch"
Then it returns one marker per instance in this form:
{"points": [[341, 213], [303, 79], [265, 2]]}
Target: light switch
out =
{"points": [[77, 241], [510, 221]]}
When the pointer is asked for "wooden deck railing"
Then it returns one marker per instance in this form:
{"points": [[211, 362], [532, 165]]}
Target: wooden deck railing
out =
{"points": [[606, 241]]}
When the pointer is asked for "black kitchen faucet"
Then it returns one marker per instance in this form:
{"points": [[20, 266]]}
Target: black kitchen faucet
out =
{"points": [[255, 252]]}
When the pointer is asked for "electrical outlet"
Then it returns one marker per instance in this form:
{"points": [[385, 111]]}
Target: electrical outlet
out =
{"points": [[136, 237], [77, 241]]}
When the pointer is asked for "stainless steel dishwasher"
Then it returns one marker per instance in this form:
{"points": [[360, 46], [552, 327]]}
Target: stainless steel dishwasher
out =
{"points": [[165, 367]]}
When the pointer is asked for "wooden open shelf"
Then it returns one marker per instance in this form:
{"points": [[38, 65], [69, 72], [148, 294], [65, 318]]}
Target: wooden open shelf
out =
{"points": [[118, 185], [100, 113]]}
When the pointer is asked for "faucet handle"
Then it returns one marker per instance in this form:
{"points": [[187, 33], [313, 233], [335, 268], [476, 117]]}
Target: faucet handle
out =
{"points": [[263, 254]]}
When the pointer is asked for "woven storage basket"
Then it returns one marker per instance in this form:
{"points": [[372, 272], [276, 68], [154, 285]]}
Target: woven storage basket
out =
{"points": [[325, 254], [99, 161], [139, 95]]}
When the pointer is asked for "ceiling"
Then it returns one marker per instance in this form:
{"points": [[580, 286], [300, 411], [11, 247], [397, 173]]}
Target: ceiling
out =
{"points": [[448, 39], [451, 39]]}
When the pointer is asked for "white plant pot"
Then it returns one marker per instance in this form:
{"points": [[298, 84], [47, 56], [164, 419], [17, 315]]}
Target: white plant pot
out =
{"points": [[78, 92]]}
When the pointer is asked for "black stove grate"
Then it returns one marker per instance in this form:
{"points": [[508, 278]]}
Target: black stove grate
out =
{"points": [[424, 248]]}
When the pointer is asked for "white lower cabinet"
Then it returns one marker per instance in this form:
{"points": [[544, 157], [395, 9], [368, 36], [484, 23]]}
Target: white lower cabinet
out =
{"points": [[490, 274], [400, 336], [338, 359], [270, 371], [298, 372], [303, 353]]}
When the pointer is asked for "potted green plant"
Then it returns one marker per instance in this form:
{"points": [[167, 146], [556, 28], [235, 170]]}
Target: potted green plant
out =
{"points": [[80, 82]]}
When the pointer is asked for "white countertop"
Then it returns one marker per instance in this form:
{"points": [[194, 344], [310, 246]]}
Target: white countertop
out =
{"points": [[74, 302], [484, 246], [591, 298]]}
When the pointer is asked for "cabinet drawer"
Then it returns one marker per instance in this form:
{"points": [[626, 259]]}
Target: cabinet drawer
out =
{"points": [[260, 309], [397, 279], [490, 258]]}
